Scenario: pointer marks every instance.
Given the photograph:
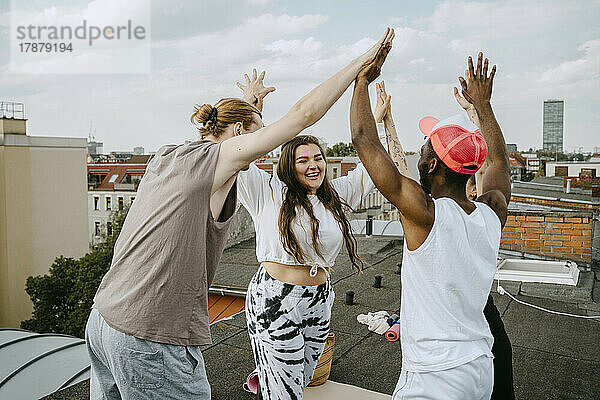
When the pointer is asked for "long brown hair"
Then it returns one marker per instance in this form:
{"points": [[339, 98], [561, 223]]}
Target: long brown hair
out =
{"points": [[297, 195], [228, 111]]}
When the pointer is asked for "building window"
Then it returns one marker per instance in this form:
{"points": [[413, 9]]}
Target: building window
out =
{"points": [[130, 178], [108, 207], [561, 171], [109, 228], [95, 179], [96, 201], [588, 173], [335, 173], [97, 228], [121, 203]]}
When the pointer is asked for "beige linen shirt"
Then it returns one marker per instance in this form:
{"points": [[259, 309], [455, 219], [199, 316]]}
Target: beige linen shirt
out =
{"points": [[168, 250]]}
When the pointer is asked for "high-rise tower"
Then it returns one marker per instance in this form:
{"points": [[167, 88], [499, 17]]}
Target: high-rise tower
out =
{"points": [[553, 125]]}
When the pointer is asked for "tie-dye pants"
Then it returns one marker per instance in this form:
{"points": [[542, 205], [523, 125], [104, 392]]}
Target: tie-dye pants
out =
{"points": [[288, 326]]}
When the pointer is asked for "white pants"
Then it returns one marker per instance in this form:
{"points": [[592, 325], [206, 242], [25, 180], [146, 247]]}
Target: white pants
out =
{"points": [[473, 380]]}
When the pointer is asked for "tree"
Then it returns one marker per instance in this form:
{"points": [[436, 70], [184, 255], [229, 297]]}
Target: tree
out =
{"points": [[62, 299], [52, 297], [341, 150], [541, 170], [577, 157], [552, 155], [527, 177]]}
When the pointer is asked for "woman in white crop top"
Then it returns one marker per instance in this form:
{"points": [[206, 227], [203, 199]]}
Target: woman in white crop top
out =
{"points": [[300, 221], [281, 206]]}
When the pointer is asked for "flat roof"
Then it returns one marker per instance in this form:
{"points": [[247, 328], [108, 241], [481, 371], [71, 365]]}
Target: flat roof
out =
{"points": [[42, 141], [554, 356]]}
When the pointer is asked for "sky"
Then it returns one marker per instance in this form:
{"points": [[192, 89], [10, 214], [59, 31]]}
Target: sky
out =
{"points": [[198, 50]]}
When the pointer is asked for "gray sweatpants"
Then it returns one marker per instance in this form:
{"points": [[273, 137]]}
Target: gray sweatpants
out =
{"points": [[127, 367]]}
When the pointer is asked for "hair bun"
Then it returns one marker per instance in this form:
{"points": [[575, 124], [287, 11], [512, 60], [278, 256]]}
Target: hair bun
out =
{"points": [[213, 120], [201, 116], [212, 117]]}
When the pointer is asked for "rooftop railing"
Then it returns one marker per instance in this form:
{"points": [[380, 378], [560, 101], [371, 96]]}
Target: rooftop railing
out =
{"points": [[10, 109]]}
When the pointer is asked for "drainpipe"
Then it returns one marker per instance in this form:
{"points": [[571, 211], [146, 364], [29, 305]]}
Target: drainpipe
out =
{"points": [[596, 241], [369, 226]]}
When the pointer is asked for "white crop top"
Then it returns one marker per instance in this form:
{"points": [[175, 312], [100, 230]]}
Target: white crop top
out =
{"points": [[262, 195]]}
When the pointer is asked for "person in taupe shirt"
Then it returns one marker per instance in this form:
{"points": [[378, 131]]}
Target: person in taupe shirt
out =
{"points": [[150, 312]]}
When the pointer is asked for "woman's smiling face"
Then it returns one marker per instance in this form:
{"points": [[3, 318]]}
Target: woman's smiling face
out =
{"points": [[310, 166]]}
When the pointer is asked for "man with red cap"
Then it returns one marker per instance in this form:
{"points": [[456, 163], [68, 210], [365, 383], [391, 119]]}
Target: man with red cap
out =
{"points": [[450, 242]]}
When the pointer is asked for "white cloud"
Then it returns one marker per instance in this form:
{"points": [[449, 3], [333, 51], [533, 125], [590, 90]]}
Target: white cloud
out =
{"points": [[298, 47], [586, 67], [201, 48], [506, 18], [247, 36], [396, 21], [256, 42], [260, 2], [284, 24], [96, 12], [416, 61]]}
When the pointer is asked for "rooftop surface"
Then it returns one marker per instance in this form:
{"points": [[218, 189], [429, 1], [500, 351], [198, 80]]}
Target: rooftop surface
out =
{"points": [[551, 187], [555, 356]]}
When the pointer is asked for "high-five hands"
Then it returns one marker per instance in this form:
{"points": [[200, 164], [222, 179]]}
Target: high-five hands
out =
{"points": [[383, 106], [372, 67], [255, 91]]}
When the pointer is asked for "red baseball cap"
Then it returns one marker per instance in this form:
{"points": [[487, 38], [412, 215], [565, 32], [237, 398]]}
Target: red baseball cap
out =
{"points": [[457, 142]]}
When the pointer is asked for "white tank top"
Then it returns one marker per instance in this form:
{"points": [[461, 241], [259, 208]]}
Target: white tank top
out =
{"points": [[445, 285]]}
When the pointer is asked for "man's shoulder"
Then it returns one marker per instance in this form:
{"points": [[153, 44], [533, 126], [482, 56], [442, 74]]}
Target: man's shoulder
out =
{"points": [[495, 200], [492, 198]]}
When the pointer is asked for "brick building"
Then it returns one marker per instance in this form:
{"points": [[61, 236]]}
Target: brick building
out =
{"points": [[112, 186], [557, 234], [547, 220]]}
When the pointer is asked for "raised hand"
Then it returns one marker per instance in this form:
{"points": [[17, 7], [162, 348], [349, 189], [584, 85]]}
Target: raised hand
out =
{"points": [[370, 55], [372, 69], [383, 106], [495, 183], [468, 107], [255, 91], [477, 88]]}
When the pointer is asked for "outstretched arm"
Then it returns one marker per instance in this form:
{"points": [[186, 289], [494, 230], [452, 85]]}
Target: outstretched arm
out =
{"points": [[383, 112], [415, 206], [477, 90], [472, 114], [237, 152]]}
